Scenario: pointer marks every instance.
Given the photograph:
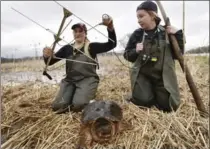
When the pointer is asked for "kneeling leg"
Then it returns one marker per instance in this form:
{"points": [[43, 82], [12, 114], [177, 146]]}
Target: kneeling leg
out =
{"points": [[85, 91], [64, 97], [162, 97], [142, 94]]}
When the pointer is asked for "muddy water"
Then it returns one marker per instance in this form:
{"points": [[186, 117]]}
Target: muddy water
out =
{"points": [[29, 76], [15, 78]]}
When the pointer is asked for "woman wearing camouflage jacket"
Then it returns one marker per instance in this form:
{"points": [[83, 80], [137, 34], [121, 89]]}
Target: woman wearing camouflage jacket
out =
{"points": [[153, 77]]}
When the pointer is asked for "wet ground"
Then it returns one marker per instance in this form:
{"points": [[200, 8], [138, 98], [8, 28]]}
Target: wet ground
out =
{"points": [[29, 76], [15, 78]]}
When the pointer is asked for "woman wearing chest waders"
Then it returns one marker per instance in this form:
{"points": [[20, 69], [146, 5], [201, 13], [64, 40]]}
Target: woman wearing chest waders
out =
{"points": [[153, 77], [81, 81]]}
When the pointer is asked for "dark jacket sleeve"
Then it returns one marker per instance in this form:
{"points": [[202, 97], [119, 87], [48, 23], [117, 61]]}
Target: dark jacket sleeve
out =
{"points": [[179, 36], [96, 47], [63, 52], [130, 50]]}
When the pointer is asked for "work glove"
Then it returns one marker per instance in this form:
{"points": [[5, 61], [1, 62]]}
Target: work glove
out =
{"points": [[47, 52], [139, 47], [107, 21], [171, 30]]}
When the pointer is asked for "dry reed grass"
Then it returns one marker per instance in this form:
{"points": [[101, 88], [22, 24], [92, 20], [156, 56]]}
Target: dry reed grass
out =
{"points": [[28, 122]]}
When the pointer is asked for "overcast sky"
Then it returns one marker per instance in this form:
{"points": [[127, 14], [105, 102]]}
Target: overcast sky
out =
{"points": [[19, 33]]}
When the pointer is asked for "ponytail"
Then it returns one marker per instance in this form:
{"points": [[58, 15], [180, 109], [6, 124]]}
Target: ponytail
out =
{"points": [[155, 16]]}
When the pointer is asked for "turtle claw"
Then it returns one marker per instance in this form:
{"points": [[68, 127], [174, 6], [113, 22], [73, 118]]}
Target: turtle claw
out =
{"points": [[81, 147]]}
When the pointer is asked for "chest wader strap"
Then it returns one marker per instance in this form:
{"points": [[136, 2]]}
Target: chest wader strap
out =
{"points": [[86, 50]]}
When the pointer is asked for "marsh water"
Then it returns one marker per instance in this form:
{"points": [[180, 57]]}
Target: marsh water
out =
{"points": [[15, 78]]}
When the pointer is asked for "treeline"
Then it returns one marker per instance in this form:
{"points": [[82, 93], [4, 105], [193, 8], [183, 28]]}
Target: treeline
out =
{"points": [[204, 49]]}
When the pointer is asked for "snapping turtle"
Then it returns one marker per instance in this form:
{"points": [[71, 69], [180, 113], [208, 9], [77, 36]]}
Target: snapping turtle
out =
{"points": [[100, 122]]}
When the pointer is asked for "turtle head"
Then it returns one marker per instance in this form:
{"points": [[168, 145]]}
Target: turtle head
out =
{"points": [[103, 129]]}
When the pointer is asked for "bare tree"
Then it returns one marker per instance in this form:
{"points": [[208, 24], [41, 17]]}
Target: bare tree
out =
{"points": [[124, 40]]}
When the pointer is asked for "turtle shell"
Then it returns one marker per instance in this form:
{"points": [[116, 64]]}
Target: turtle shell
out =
{"points": [[101, 109]]}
